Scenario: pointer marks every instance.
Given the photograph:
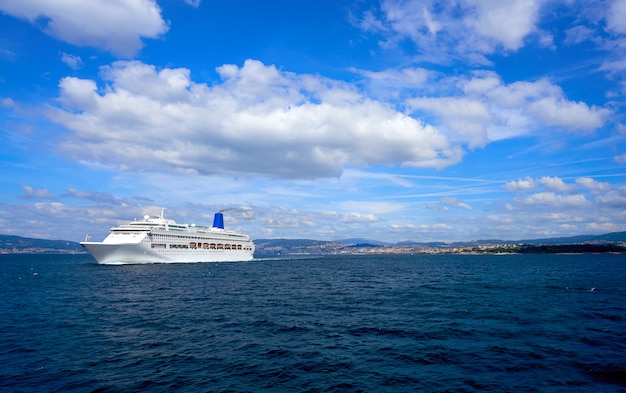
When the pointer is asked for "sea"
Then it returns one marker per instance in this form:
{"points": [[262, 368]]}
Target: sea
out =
{"points": [[353, 323]]}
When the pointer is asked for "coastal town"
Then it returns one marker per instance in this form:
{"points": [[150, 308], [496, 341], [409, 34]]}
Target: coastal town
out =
{"points": [[337, 248]]}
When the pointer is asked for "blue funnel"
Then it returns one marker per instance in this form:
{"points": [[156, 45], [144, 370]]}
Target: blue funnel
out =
{"points": [[218, 221]]}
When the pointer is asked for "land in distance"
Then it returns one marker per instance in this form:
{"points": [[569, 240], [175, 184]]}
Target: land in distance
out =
{"points": [[609, 242]]}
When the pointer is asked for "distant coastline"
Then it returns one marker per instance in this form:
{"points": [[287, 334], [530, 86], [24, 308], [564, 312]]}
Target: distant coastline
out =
{"points": [[10, 244], [333, 248], [608, 243]]}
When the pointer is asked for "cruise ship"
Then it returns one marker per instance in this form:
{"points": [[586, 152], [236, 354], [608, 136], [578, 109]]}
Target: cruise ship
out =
{"points": [[160, 240]]}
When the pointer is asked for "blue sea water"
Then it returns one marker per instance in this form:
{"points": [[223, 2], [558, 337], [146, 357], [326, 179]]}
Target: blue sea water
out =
{"points": [[432, 323]]}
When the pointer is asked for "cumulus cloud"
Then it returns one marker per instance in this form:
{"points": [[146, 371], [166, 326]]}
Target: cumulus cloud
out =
{"points": [[588, 197], [115, 26], [481, 108], [504, 23], [556, 111], [575, 207], [465, 119], [257, 121], [556, 184], [539, 103], [552, 199], [592, 185], [520, 185], [469, 28], [445, 31], [615, 200]]}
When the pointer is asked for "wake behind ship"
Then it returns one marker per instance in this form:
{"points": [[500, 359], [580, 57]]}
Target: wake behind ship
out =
{"points": [[160, 240]]}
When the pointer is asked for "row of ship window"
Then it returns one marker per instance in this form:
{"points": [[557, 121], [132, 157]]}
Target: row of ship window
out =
{"points": [[206, 246]]}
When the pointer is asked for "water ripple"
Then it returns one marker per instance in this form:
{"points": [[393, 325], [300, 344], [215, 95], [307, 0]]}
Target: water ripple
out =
{"points": [[338, 324]]}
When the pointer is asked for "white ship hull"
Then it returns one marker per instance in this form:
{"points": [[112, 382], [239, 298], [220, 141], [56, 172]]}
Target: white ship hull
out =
{"points": [[121, 254], [156, 240]]}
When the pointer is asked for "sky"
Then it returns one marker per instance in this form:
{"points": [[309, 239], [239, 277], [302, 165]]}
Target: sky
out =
{"points": [[390, 120]]}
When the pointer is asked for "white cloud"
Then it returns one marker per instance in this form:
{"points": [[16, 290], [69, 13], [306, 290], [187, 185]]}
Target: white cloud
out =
{"points": [[605, 194], [433, 26], [74, 62], [616, 16], [36, 193], [604, 227], [558, 112], [613, 200], [396, 80], [506, 23], [482, 108], [552, 199], [355, 218], [593, 185], [456, 203], [555, 184], [55, 220], [621, 159], [576, 212], [521, 185], [539, 103], [115, 26], [465, 119], [579, 34], [258, 121], [469, 29], [272, 216], [613, 67]]}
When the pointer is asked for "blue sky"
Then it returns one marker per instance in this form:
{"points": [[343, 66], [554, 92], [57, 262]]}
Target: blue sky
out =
{"points": [[389, 120]]}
